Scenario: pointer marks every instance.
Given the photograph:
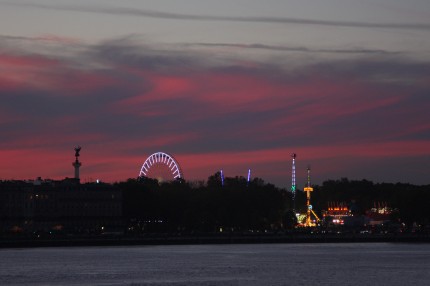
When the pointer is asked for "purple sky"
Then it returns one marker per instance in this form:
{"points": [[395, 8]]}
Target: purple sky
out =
{"points": [[225, 85]]}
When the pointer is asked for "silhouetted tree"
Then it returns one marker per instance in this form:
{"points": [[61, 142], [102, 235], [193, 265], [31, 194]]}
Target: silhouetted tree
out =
{"points": [[180, 206]]}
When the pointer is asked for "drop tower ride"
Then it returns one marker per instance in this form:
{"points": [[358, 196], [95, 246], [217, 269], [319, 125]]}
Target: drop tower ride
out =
{"points": [[293, 181]]}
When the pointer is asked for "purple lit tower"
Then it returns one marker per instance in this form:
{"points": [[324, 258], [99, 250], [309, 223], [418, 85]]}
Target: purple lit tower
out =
{"points": [[293, 181]]}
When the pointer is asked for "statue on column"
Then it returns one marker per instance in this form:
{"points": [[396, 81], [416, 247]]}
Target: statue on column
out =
{"points": [[77, 164], [77, 150]]}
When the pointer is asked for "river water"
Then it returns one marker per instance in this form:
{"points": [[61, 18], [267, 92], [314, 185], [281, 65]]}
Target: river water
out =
{"points": [[234, 264]]}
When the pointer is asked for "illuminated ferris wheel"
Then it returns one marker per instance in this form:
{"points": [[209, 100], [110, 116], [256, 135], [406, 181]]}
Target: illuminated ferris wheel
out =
{"points": [[161, 166]]}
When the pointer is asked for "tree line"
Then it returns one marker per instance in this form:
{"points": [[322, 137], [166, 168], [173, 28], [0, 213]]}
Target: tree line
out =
{"points": [[238, 205]]}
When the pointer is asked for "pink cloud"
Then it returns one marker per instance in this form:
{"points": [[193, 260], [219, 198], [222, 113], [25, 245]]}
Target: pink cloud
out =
{"points": [[333, 161], [79, 82], [20, 72], [259, 112], [209, 94], [9, 61], [383, 149]]}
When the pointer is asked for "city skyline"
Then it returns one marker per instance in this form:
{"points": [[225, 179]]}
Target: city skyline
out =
{"points": [[232, 85]]}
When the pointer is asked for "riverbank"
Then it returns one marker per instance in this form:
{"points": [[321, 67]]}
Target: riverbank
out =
{"points": [[164, 239]]}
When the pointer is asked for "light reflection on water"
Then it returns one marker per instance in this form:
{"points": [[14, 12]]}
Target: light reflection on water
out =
{"points": [[247, 264]]}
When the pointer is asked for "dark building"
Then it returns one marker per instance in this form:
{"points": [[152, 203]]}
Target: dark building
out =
{"points": [[66, 206]]}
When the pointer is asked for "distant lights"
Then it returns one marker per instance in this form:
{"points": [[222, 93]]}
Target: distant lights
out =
{"points": [[338, 221], [222, 177]]}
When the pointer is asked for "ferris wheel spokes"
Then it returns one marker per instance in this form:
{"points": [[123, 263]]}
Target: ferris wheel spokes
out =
{"points": [[161, 158]]}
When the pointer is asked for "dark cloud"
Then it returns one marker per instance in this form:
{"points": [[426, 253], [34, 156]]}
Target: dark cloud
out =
{"points": [[236, 114], [124, 51], [192, 17]]}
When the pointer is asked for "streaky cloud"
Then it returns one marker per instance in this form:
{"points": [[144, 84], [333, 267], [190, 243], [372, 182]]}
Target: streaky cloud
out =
{"points": [[294, 49], [193, 17]]}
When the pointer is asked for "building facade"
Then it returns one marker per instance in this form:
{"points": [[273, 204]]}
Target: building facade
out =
{"points": [[59, 206]]}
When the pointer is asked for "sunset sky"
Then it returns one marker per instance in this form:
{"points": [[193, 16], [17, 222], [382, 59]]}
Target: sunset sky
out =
{"points": [[220, 84]]}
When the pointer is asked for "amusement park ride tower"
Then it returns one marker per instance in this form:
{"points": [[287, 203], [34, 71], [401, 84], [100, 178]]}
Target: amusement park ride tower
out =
{"points": [[293, 181], [308, 189]]}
